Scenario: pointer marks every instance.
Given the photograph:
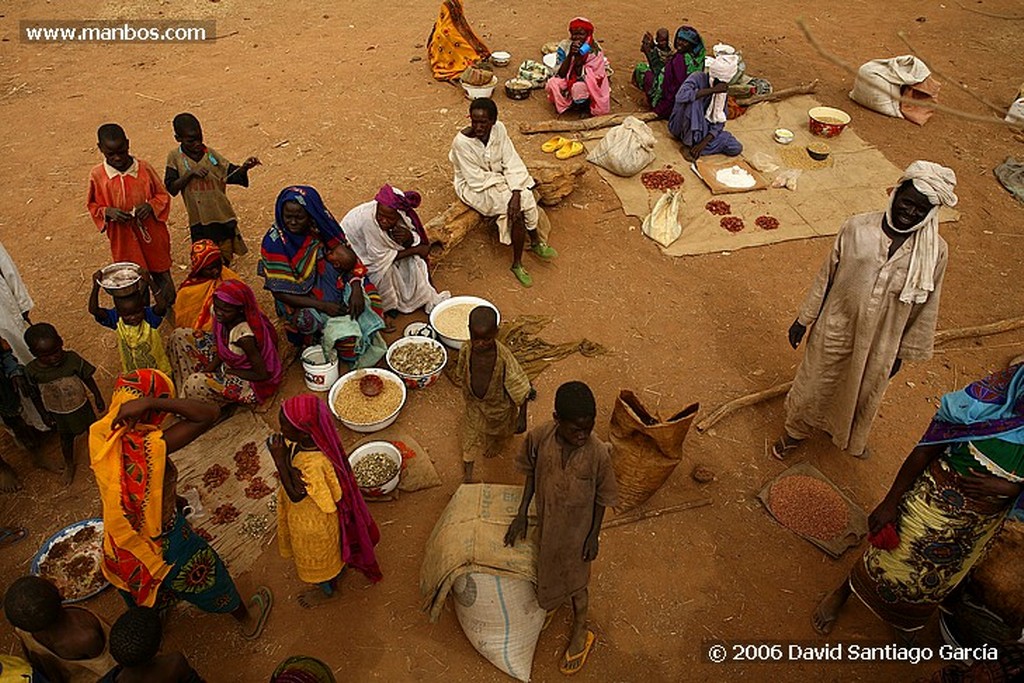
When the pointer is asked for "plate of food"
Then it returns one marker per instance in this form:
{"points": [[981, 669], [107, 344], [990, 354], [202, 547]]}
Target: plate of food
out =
{"points": [[72, 560]]}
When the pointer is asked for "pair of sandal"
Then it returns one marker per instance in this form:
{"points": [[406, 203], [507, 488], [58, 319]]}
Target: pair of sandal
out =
{"points": [[563, 148]]}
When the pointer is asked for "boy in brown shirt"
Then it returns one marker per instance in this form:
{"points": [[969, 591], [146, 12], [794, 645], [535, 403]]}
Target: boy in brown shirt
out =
{"points": [[201, 175], [570, 471], [495, 388]]}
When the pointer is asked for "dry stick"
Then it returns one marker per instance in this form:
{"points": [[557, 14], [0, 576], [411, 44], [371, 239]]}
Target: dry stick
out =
{"points": [[805, 89], [941, 337], [990, 14], [918, 103], [742, 402], [149, 97], [955, 349], [648, 514], [997, 327], [606, 121], [963, 86]]}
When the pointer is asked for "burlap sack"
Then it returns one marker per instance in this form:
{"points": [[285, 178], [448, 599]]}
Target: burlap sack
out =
{"points": [[645, 448]]}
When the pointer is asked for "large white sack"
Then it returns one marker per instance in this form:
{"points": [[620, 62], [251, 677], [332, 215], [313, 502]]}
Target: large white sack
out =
{"points": [[626, 149], [501, 618]]}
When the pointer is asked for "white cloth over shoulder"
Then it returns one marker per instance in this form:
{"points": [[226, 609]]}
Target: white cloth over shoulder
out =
{"points": [[15, 300], [403, 284], [486, 176], [937, 184], [722, 68]]}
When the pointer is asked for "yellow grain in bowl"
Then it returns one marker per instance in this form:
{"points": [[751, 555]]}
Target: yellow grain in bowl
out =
{"points": [[353, 406]]}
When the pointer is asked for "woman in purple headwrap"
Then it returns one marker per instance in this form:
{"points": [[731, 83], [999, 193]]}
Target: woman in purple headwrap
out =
{"points": [[388, 237]]}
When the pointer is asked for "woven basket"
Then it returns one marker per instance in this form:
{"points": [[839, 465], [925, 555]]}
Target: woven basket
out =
{"points": [[645, 448]]}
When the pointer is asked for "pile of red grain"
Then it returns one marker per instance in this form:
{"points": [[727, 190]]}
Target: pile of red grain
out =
{"points": [[809, 506]]}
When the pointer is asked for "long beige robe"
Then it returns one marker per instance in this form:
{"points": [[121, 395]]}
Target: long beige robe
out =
{"points": [[860, 327], [486, 175]]}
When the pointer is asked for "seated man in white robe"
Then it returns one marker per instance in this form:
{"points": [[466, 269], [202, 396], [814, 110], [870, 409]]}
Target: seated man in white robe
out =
{"points": [[491, 178], [388, 237]]}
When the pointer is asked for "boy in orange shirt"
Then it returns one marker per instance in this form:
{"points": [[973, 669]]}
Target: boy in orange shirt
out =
{"points": [[128, 202]]}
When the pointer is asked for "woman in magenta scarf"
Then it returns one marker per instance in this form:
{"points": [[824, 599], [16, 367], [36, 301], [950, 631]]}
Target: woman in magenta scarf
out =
{"points": [[583, 70], [236, 363], [307, 423]]}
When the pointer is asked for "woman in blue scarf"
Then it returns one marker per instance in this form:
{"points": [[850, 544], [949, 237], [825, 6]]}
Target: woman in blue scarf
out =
{"points": [[308, 290], [947, 502]]}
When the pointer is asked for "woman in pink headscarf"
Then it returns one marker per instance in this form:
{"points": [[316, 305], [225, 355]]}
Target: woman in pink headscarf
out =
{"points": [[583, 71], [323, 522], [236, 363], [388, 237]]}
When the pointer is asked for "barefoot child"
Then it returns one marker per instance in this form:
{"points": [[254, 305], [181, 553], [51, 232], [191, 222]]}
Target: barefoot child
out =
{"points": [[322, 519], [62, 378], [201, 175], [495, 388], [67, 644], [135, 644], [570, 471], [138, 342], [128, 202]]}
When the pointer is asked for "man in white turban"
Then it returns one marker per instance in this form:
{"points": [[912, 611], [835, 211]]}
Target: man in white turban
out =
{"points": [[873, 305], [698, 117]]}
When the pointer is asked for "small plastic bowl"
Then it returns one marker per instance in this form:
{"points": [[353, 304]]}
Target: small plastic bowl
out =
{"points": [[476, 91], [501, 58], [783, 136], [818, 151], [827, 122]]}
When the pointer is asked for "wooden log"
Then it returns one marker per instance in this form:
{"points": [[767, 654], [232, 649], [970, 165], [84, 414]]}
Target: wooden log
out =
{"points": [[941, 337], [593, 123], [650, 514], [998, 327], [554, 182], [742, 402], [805, 89]]}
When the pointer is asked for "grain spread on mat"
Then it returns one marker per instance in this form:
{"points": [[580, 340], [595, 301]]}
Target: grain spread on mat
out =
{"points": [[809, 506]]}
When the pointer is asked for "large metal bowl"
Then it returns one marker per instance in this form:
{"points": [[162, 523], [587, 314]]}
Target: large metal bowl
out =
{"points": [[455, 301], [121, 279], [357, 375]]}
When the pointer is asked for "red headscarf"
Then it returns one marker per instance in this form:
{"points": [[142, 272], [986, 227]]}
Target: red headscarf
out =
{"points": [[582, 23], [237, 293], [359, 533], [406, 202], [204, 254]]}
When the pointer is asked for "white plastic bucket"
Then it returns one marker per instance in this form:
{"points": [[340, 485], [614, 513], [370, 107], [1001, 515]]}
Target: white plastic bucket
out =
{"points": [[319, 371]]}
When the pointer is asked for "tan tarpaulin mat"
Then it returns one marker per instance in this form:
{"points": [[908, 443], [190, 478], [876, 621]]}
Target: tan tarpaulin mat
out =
{"points": [[240, 542], [856, 182], [470, 537], [856, 528]]}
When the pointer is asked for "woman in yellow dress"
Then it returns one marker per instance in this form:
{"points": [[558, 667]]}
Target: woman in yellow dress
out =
{"points": [[322, 520]]}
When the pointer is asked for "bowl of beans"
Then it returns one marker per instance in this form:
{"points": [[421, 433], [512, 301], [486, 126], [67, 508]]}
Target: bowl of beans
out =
{"points": [[361, 412], [376, 466], [417, 360], [827, 122]]}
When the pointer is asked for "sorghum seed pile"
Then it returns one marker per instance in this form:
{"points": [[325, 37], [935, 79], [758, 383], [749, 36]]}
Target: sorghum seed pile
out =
{"points": [[718, 207], [664, 179], [732, 223], [809, 506], [354, 407]]}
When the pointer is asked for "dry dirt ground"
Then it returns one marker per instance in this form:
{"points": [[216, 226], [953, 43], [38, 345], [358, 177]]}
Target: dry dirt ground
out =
{"points": [[338, 81]]}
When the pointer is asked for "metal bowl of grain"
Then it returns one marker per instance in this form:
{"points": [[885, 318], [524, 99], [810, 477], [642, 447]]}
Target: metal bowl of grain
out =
{"points": [[377, 466], [417, 360], [121, 279], [450, 319], [362, 413]]}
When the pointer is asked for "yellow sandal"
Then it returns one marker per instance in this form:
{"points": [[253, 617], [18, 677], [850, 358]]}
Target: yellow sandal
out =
{"points": [[570, 150], [554, 144]]}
